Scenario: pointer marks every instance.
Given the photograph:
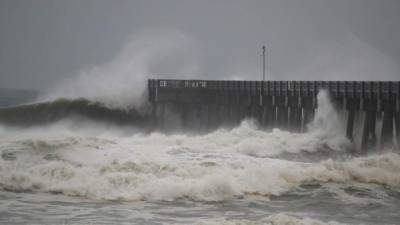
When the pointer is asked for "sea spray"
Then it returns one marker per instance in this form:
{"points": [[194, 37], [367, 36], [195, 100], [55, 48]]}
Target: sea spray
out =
{"points": [[122, 83], [326, 118], [328, 125]]}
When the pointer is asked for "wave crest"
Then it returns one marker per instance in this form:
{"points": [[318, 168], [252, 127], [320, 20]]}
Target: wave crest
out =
{"points": [[133, 170], [48, 112]]}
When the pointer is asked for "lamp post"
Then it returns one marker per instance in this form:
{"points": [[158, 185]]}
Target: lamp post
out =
{"points": [[263, 54]]}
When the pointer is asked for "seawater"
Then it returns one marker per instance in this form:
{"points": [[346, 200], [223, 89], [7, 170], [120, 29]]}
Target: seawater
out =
{"points": [[85, 172]]}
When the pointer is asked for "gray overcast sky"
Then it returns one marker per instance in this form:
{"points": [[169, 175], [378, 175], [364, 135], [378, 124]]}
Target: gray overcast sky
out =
{"points": [[45, 41]]}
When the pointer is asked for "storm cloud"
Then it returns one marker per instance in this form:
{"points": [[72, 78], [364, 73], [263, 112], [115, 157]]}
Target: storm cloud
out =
{"points": [[45, 42]]}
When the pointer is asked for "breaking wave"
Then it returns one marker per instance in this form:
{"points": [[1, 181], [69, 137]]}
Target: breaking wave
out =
{"points": [[103, 162], [213, 167], [122, 82], [49, 112]]}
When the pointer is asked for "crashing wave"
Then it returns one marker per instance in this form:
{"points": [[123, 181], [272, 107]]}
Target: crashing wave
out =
{"points": [[170, 167], [49, 112]]}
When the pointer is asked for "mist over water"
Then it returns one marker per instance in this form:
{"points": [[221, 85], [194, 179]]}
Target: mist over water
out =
{"points": [[122, 83]]}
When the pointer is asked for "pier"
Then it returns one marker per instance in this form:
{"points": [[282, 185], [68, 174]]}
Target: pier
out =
{"points": [[371, 109]]}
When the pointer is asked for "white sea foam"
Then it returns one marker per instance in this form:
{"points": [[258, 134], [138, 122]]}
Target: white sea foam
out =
{"points": [[275, 219], [211, 167]]}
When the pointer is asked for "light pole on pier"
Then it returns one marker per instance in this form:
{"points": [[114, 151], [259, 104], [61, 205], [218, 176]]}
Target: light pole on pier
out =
{"points": [[263, 54]]}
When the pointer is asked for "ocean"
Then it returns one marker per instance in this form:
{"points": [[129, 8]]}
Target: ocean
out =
{"points": [[87, 170]]}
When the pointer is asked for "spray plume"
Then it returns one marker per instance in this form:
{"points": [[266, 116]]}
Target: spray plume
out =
{"points": [[121, 83]]}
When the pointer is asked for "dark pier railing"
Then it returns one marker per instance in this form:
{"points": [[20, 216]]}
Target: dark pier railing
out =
{"points": [[207, 104]]}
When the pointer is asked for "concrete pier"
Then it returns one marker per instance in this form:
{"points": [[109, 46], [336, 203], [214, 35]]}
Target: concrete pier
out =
{"points": [[290, 105]]}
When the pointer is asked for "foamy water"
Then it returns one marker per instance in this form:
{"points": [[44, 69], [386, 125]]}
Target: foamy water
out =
{"points": [[214, 167], [92, 173], [277, 219], [243, 168]]}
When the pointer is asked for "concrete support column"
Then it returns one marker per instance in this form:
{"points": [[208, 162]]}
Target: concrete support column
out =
{"points": [[241, 113], [185, 115], [171, 116], [213, 116], [230, 120], [282, 117], [237, 113], [257, 112], [160, 112], [222, 115], [153, 114], [308, 104], [203, 117], [269, 116], [369, 135], [350, 124], [193, 117], [248, 112], [261, 115], [295, 119], [387, 130]]}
